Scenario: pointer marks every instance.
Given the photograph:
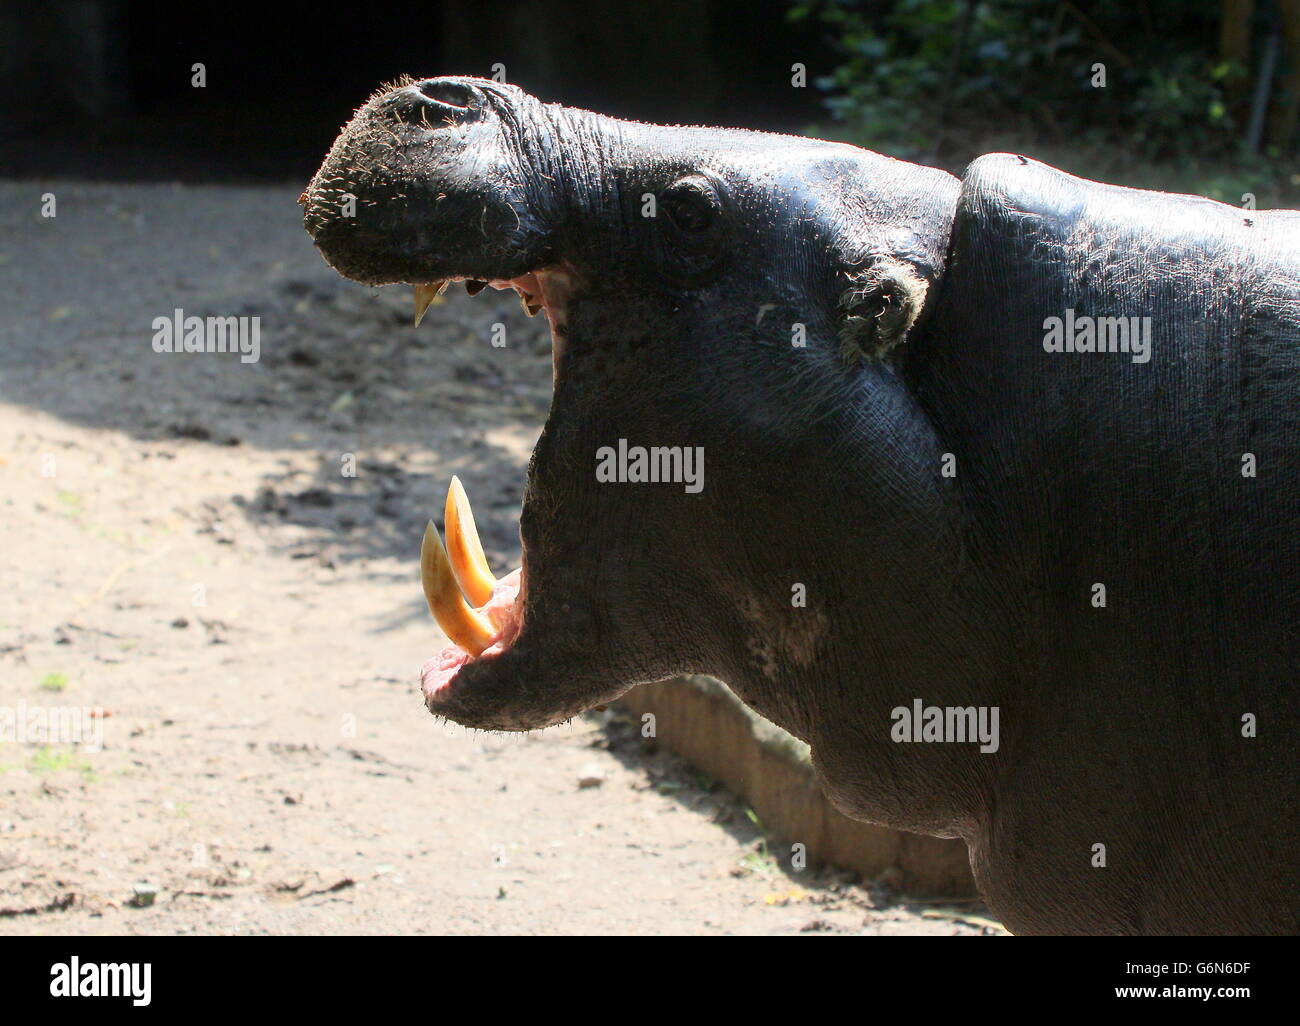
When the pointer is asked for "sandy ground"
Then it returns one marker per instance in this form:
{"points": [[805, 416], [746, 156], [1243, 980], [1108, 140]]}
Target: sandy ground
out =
{"points": [[184, 552]]}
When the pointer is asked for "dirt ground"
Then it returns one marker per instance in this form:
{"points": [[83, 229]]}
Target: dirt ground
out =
{"points": [[184, 552]]}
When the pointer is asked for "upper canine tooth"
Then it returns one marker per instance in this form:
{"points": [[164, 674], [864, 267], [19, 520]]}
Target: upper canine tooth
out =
{"points": [[461, 624], [424, 295], [527, 303], [466, 551]]}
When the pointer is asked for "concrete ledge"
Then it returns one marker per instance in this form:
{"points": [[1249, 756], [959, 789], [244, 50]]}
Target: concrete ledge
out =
{"points": [[699, 719]]}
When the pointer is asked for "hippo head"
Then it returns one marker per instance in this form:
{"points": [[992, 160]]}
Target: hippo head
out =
{"points": [[732, 478]]}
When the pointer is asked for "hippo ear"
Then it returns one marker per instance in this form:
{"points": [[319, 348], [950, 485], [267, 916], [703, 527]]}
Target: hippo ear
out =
{"points": [[878, 308]]}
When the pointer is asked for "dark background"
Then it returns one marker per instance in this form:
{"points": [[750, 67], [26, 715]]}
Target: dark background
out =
{"points": [[101, 89], [1200, 96]]}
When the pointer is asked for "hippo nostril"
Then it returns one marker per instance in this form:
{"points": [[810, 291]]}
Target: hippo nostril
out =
{"points": [[449, 93], [437, 102]]}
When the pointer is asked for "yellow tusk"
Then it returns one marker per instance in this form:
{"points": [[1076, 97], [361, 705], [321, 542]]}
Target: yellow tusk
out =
{"points": [[424, 295], [466, 551], [460, 623]]}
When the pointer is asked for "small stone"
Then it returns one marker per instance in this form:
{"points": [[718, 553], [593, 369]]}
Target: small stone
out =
{"points": [[592, 775], [143, 895]]}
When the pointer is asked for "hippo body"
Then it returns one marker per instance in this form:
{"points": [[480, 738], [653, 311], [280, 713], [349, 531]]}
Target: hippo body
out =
{"points": [[1085, 468], [1018, 443]]}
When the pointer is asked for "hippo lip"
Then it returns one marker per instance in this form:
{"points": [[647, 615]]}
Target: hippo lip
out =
{"points": [[503, 613]]}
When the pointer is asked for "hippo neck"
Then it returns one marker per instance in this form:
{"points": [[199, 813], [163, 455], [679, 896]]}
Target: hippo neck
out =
{"points": [[895, 610]]}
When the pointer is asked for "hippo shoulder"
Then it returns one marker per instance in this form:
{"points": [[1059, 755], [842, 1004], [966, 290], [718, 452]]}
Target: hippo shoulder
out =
{"points": [[1010, 197], [1213, 289]]}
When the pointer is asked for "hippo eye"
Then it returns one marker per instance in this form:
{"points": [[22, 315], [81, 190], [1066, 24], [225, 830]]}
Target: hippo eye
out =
{"points": [[690, 206], [688, 211], [692, 232]]}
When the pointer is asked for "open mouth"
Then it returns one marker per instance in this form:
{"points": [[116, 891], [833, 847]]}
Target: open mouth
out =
{"points": [[545, 290], [481, 615]]}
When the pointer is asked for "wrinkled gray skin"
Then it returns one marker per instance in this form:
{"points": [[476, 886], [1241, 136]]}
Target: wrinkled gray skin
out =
{"points": [[1119, 726]]}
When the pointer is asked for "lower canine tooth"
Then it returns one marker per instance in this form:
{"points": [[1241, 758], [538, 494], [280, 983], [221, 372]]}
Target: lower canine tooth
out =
{"points": [[460, 623], [464, 548], [424, 295]]}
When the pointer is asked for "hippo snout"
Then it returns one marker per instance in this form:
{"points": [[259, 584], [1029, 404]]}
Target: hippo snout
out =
{"points": [[431, 180]]}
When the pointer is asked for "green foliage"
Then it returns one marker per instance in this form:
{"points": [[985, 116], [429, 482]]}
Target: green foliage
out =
{"points": [[48, 759], [947, 79]]}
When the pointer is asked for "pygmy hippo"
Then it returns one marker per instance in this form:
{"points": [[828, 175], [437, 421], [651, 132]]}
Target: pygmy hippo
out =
{"points": [[987, 488]]}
